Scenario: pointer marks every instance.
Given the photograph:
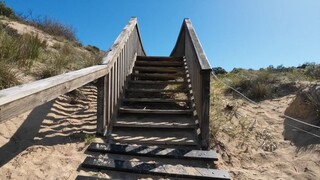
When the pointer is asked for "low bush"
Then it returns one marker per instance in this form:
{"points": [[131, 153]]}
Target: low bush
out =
{"points": [[20, 49], [8, 77]]}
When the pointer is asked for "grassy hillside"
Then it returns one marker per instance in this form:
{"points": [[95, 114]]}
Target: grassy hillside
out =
{"points": [[36, 49]]}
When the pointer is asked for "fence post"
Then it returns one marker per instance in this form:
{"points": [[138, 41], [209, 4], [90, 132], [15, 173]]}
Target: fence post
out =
{"points": [[101, 104], [205, 129]]}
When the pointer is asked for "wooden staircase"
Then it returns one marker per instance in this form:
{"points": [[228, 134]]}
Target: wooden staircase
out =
{"points": [[154, 134]]}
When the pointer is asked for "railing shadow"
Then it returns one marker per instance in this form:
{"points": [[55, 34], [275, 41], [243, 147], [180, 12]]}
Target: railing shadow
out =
{"points": [[53, 123]]}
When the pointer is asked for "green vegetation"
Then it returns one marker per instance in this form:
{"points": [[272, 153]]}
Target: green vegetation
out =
{"points": [[6, 11], [269, 82], [29, 54], [258, 85], [89, 138]]}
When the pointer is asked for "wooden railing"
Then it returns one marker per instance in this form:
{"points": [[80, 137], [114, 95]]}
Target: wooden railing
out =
{"points": [[188, 45], [111, 75], [121, 59]]}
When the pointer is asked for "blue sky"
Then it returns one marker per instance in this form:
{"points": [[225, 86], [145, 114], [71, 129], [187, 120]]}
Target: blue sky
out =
{"points": [[233, 33]]}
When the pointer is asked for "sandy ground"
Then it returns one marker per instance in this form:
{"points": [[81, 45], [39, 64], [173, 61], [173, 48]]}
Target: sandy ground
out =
{"points": [[259, 150], [48, 142]]}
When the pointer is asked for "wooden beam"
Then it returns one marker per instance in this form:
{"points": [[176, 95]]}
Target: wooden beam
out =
{"points": [[153, 151], [154, 168], [18, 99]]}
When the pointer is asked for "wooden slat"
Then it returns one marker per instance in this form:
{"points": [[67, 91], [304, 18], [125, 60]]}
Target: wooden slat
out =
{"points": [[157, 82], [153, 75], [159, 63], [18, 99], [158, 58], [154, 168], [182, 137], [154, 111], [157, 90], [154, 100], [89, 178], [153, 151], [153, 123], [158, 69]]}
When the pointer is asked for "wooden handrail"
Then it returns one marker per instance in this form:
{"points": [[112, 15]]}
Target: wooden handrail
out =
{"points": [[188, 46], [111, 75], [121, 57]]}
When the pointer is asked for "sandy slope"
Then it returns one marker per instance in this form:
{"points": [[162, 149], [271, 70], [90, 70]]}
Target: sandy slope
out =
{"points": [[264, 154], [48, 142]]}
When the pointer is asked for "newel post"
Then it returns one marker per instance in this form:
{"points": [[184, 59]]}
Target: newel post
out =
{"points": [[205, 129], [102, 113]]}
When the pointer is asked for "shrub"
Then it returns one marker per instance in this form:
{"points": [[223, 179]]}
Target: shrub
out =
{"points": [[219, 70], [313, 71], [6, 11], [8, 76], [19, 49], [54, 28]]}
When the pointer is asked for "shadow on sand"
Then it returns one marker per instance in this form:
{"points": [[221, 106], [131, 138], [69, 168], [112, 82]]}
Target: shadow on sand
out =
{"points": [[53, 123]]}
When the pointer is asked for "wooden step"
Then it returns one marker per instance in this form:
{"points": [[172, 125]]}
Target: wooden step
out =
{"points": [[153, 136], [154, 168], [157, 90], [158, 58], [153, 151], [157, 82], [154, 111], [154, 100], [160, 63], [159, 121], [157, 76], [158, 69]]}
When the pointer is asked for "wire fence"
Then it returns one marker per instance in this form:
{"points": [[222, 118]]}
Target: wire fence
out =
{"points": [[286, 116]]}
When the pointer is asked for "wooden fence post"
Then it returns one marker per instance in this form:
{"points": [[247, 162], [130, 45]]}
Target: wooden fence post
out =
{"points": [[205, 129], [101, 104]]}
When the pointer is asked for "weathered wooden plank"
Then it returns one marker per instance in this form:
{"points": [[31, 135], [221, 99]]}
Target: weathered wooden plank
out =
{"points": [[18, 99], [158, 58], [153, 151], [119, 43], [154, 169], [158, 69], [159, 63], [155, 100], [101, 104], [182, 82], [157, 90], [160, 76], [182, 137], [154, 111], [89, 178]]}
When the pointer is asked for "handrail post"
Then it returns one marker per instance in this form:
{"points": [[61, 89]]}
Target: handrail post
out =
{"points": [[101, 104], [205, 99]]}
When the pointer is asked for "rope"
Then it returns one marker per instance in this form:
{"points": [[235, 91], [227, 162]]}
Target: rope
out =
{"points": [[255, 103]]}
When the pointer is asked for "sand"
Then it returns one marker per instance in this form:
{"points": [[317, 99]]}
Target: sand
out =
{"points": [[261, 152], [48, 142]]}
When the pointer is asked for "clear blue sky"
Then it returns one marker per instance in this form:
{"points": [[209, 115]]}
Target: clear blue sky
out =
{"points": [[233, 33]]}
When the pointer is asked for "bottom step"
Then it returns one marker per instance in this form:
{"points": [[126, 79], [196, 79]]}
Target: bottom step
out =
{"points": [[153, 151], [154, 168]]}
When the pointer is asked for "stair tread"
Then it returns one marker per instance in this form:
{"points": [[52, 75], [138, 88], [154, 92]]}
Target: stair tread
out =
{"points": [[154, 100], [154, 168], [156, 90], [159, 58], [153, 151], [155, 136], [157, 82], [164, 121], [156, 111], [159, 69], [160, 63]]}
